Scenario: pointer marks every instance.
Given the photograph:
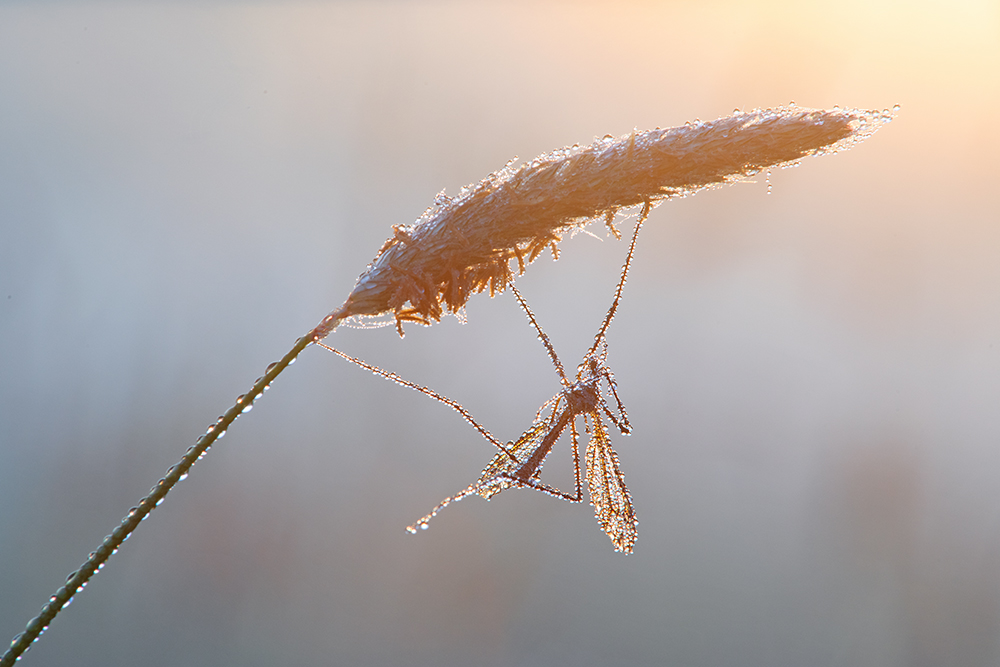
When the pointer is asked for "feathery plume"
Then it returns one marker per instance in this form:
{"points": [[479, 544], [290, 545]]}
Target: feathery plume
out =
{"points": [[465, 244]]}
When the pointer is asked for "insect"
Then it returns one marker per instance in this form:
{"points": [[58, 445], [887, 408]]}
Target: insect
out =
{"points": [[518, 464]]}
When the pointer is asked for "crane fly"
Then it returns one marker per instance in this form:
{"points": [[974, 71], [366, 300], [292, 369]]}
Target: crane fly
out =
{"points": [[518, 464]]}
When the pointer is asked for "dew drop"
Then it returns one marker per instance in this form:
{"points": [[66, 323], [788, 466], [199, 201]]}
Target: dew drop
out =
{"points": [[411, 529], [183, 477], [291, 362], [424, 526], [270, 367], [767, 179], [895, 108], [240, 399], [158, 502], [248, 408]]}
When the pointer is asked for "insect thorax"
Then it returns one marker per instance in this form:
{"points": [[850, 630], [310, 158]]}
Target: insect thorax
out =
{"points": [[583, 397]]}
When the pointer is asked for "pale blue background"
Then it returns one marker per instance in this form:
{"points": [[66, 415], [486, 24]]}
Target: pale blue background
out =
{"points": [[185, 188]]}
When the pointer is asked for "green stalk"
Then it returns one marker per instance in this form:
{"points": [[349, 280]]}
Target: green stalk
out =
{"points": [[76, 581]]}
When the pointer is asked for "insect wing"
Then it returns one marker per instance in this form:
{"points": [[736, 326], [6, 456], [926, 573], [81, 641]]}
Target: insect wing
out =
{"points": [[608, 493], [499, 473]]}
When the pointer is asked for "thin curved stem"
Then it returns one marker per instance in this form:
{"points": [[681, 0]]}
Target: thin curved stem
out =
{"points": [[79, 578]]}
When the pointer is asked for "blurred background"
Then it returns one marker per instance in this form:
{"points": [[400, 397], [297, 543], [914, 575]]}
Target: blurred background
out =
{"points": [[813, 375]]}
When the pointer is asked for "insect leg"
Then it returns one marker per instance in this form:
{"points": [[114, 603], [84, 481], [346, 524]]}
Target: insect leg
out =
{"points": [[542, 336], [646, 208], [425, 390], [422, 523]]}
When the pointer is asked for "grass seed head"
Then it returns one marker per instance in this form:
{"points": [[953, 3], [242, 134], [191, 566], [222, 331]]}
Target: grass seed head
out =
{"points": [[466, 244]]}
